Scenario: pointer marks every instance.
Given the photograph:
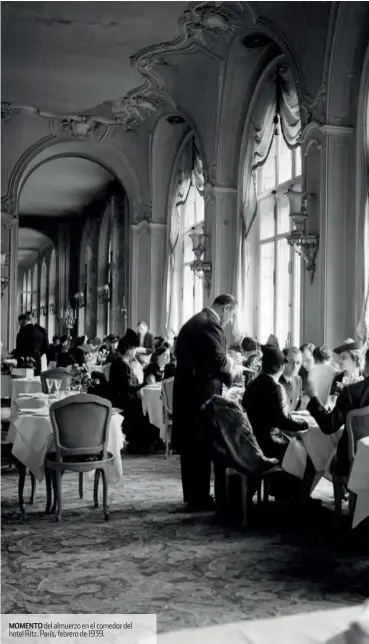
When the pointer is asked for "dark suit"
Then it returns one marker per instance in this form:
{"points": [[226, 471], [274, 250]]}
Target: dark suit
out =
{"points": [[147, 341], [293, 389], [201, 370], [45, 345], [30, 344], [265, 403], [353, 396]]}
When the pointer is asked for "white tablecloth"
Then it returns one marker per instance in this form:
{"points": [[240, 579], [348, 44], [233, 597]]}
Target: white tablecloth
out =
{"points": [[152, 404], [32, 438], [320, 447], [359, 481], [321, 627], [24, 386]]}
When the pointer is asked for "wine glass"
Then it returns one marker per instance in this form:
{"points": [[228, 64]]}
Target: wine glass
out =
{"points": [[49, 384], [57, 384]]}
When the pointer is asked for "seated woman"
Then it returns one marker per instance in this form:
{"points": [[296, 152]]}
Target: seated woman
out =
{"points": [[99, 386], [160, 367], [64, 358], [350, 357], [235, 353], [78, 352], [252, 359], [125, 390]]}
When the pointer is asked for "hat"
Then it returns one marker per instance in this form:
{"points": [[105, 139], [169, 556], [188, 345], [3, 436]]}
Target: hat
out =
{"points": [[348, 345], [249, 344], [272, 356], [112, 338]]}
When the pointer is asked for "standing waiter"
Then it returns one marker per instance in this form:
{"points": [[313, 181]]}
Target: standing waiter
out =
{"points": [[202, 368]]}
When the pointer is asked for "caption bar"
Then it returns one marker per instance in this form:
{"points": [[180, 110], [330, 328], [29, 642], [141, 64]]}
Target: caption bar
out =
{"points": [[114, 629]]}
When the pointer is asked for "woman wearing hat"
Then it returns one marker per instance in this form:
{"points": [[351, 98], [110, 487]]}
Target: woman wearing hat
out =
{"points": [[351, 362]]}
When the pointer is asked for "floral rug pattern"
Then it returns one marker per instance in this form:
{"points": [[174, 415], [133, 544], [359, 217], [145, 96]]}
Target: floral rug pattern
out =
{"points": [[153, 557]]}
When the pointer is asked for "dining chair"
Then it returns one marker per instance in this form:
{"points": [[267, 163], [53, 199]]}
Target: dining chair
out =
{"points": [[250, 483], [167, 392], [60, 373], [357, 427], [7, 458], [81, 432]]}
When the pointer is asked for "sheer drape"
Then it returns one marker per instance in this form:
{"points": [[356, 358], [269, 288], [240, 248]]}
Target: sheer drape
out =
{"points": [[363, 326], [277, 104]]}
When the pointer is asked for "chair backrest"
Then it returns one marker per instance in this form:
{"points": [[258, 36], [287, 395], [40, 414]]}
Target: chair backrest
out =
{"points": [[357, 426], [55, 374], [167, 390], [81, 426]]}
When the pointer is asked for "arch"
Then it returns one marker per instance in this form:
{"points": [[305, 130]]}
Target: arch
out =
{"points": [[52, 294], [109, 157]]}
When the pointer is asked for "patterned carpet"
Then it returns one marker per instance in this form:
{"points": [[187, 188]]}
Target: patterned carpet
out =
{"points": [[153, 557]]}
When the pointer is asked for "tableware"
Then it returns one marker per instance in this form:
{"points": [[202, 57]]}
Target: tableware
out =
{"points": [[57, 384], [49, 384]]}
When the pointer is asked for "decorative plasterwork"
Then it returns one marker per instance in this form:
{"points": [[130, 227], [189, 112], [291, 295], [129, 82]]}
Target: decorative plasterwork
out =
{"points": [[210, 174], [142, 211], [8, 205], [314, 109]]}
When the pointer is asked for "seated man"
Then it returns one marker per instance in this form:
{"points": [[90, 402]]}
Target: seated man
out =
{"points": [[354, 396], [265, 403], [290, 379]]}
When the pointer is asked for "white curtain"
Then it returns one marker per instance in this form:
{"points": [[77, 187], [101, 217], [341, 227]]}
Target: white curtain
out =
{"points": [[277, 105], [363, 325], [182, 188]]}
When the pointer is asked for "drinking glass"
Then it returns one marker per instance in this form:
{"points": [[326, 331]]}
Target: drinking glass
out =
{"points": [[57, 384], [49, 384]]}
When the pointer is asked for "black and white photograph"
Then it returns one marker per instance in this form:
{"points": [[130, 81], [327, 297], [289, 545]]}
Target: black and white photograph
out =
{"points": [[185, 322]]}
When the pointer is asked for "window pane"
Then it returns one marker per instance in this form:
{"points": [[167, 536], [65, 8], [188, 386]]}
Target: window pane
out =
{"points": [[266, 214], [267, 179], [188, 288], [266, 316], [283, 292], [296, 298], [188, 218], [284, 161], [199, 295], [283, 215], [188, 255], [297, 162], [199, 207]]}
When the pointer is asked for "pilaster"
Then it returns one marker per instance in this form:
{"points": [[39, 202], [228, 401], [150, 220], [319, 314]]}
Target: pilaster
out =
{"points": [[9, 308]]}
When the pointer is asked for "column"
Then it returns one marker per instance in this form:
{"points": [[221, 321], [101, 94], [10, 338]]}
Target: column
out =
{"points": [[147, 275], [9, 269], [221, 226]]}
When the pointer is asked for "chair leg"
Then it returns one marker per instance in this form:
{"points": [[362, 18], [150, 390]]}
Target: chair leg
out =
{"points": [[80, 485], [105, 494], [265, 491], [21, 481], [58, 482], [337, 488], [245, 499], [258, 492], [33, 488], [96, 488], [48, 490]]}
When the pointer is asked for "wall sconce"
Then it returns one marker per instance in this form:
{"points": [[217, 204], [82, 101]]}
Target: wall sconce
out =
{"points": [[104, 293], [44, 310], [52, 309], [79, 299], [303, 243], [200, 268], [4, 283]]}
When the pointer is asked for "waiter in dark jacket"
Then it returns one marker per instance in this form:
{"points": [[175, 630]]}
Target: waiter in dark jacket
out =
{"points": [[30, 342], [202, 368], [41, 329]]}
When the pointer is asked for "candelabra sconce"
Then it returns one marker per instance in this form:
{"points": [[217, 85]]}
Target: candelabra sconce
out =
{"points": [[44, 310], [80, 300], [68, 317], [199, 267], [52, 309], [304, 244], [4, 283], [105, 293]]}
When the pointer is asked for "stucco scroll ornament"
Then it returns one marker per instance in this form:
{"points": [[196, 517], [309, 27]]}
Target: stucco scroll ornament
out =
{"points": [[81, 127], [6, 112], [142, 212], [134, 109], [315, 109], [8, 205], [210, 173]]}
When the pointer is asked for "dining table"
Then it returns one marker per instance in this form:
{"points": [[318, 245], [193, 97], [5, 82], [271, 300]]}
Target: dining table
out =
{"points": [[23, 386], [359, 481], [152, 405], [31, 436], [313, 443]]}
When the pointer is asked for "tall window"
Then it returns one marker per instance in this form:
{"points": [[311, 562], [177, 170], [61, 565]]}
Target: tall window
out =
{"points": [[52, 296], [35, 289], [278, 307], [29, 291], [43, 294], [110, 282]]}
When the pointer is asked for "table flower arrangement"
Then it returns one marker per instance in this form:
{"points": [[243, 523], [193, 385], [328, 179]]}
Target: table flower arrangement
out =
{"points": [[26, 363], [80, 378]]}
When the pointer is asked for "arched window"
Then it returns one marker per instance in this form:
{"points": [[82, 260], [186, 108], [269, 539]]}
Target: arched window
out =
{"points": [[268, 274], [185, 292], [29, 290], [105, 285], [278, 305], [43, 294], [52, 296], [24, 293]]}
